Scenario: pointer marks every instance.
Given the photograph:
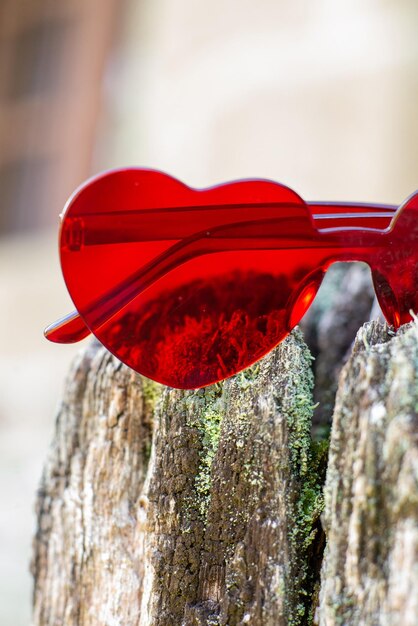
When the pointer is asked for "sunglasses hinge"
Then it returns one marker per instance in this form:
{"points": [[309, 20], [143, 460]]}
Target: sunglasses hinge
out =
{"points": [[73, 235]]}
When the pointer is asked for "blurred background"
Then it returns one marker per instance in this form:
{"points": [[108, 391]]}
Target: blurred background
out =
{"points": [[321, 96]]}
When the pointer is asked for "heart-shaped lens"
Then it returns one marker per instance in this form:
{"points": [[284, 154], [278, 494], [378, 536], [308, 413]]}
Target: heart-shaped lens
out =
{"points": [[188, 286]]}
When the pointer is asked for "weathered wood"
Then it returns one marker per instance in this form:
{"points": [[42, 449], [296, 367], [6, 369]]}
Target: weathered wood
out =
{"points": [[342, 306], [87, 561], [167, 507], [223, 529], [370, 571]]}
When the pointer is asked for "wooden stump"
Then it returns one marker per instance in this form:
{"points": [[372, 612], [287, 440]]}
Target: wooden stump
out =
{"points": [[370, 570], [167, 507]]}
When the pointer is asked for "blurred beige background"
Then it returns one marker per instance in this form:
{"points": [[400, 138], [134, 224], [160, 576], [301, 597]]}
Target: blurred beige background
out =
{"points": [[321, 96]]}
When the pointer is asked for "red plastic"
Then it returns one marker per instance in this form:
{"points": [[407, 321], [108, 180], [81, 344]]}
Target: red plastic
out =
{"points": [[191, 286]]}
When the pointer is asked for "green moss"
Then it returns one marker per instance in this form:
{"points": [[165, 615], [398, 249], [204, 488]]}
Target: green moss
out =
{"points": [[151, 392], [308, 465], [207, 418], [247, 376], [310, 503]]}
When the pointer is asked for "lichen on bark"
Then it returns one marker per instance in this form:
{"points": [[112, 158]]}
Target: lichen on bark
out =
{"points": [[206, 416]]}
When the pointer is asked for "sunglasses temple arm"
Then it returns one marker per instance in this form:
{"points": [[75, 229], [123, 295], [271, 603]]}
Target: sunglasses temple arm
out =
{"points": [[68, 329], [72, 328], [141, 225]]}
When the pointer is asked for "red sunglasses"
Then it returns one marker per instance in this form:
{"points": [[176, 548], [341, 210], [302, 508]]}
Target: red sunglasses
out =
{"points": [[190, 286]]}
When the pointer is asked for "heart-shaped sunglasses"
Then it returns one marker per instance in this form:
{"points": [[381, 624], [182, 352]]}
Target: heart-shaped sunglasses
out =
{"points": [[190, 286]]}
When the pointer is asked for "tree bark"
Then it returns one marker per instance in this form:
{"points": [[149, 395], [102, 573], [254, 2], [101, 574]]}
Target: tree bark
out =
{"points": [[370, 570], [167, 507]]}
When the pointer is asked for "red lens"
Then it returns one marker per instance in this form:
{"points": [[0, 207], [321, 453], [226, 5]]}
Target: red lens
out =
{"points": [[395, 266], [188, 287]]}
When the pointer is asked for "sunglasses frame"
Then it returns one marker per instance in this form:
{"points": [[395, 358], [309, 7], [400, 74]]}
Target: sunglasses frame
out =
{"points": [[374, 233]]}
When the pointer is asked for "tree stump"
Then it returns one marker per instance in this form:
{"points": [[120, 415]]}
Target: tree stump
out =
{"points": [[166, 507], [370, 569]]}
